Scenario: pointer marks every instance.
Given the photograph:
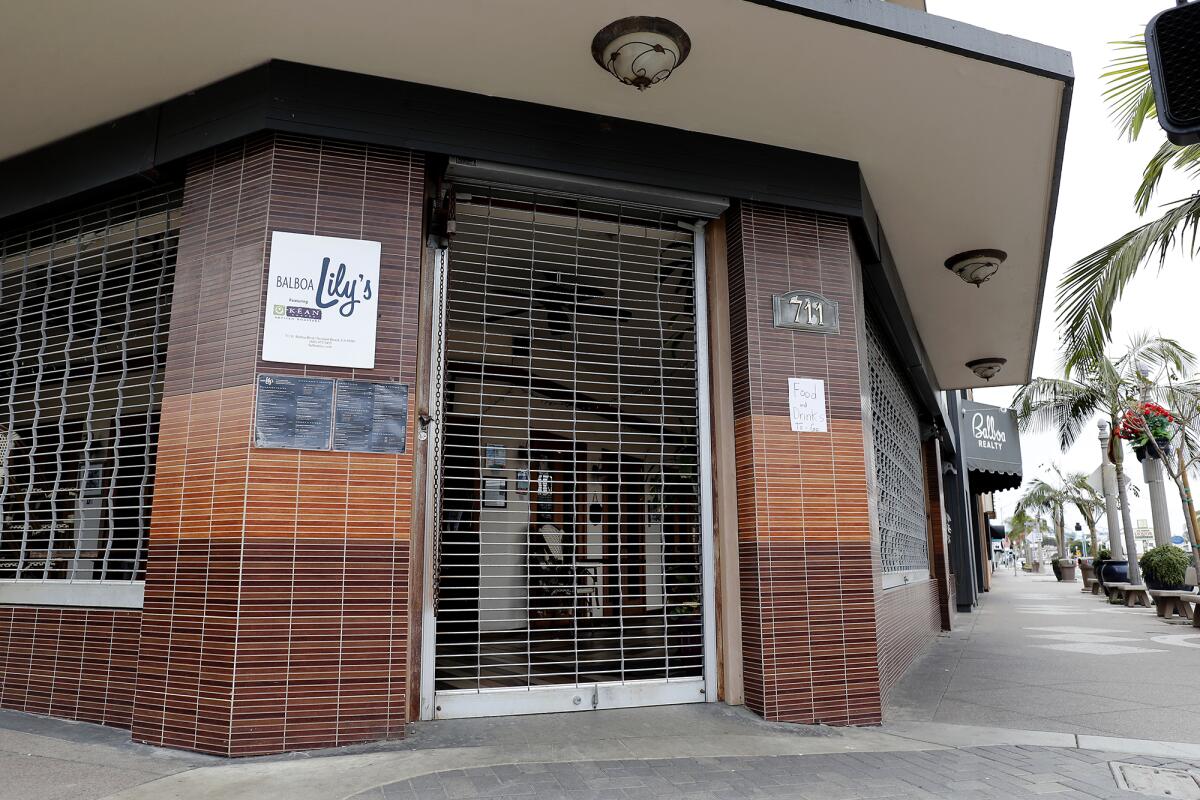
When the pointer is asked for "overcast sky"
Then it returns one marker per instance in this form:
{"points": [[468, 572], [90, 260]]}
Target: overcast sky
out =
{"points": [[1100, 175]]}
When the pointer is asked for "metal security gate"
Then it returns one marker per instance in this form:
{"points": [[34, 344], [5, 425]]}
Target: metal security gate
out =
{"points": [[570, 552], [85, 302]]}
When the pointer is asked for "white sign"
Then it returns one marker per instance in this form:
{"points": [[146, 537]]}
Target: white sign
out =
{"points": [[322, 301], [987, 435], [806, 400]]}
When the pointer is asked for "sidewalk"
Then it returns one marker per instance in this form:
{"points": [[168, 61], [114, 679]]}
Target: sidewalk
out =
{"points": [[1041, 655], [1000, 709]]}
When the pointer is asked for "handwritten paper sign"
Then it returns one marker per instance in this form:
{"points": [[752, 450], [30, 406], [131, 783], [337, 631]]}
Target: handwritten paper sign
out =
{"points": [[806, 401]]}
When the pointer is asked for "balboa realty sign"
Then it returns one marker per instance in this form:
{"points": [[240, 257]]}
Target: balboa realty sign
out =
{"points": [[322, 301], [991, 446], [987, 435]]}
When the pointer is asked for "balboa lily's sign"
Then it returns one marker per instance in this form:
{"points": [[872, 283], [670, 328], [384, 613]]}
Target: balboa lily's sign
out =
{"points": [[991, 447], [322, 301]]}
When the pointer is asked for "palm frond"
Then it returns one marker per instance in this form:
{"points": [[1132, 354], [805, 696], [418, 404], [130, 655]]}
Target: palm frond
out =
{"points": [[1157, 354], [1057, 404], [1129, 95], [1091, 287], [1186, 159]]}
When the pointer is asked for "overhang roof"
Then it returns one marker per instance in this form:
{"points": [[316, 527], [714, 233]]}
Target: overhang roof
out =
{"points": [[958, 131]]}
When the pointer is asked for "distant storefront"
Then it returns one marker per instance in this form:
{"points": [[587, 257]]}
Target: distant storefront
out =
{"points": [[991, 459]]}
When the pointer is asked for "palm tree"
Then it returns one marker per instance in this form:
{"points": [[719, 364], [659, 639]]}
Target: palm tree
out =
{"points": [[1041, 497], [1086, 500], [1091, 287], [1094, 384], [1020, 525]]}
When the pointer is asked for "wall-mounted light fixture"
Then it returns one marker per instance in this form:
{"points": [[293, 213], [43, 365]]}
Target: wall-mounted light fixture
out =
{"points": [[987, 368], [976, 266], [641, 51]]}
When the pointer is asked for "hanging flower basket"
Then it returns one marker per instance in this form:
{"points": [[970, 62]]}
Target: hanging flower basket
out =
{"points": [[1147, 426]]}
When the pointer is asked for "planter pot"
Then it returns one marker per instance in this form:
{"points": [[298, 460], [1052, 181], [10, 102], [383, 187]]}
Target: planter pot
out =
{"points": [[1113, 571], [1066, 569], [1157, 585], [1146, 451], [1086, 571]]}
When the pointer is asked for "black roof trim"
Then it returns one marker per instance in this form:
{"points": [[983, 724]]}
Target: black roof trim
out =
{"points": [[948, 35]]}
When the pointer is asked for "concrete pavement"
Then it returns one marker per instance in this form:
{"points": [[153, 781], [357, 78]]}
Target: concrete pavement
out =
{"points": [[1015, 703], [1042, 655]]}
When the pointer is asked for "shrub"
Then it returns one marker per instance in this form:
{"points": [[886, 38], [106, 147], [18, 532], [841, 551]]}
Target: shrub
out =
{"points": [[1166, 565], [1103, 554]]}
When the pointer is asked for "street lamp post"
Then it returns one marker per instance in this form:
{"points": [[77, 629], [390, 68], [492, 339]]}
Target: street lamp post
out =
{"points": [[1135, 573], [1108, 484], [1152, 473]]}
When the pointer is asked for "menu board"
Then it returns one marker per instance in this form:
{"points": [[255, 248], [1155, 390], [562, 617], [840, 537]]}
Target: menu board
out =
{"points": [[293, 413], [370, 417]]}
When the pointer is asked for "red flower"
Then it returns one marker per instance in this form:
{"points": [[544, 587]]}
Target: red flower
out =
{"points": [[1145, 417]]}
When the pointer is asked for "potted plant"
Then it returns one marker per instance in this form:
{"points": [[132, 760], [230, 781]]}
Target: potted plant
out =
{"points": [[1064, 569], [1086, 570], [1109, 570], [1164, 567], [1056, 566], [1147, 422]]}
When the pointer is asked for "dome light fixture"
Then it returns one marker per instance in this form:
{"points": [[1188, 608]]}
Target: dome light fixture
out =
{"points": [[641, 51], [976, 266], [987, 368]]}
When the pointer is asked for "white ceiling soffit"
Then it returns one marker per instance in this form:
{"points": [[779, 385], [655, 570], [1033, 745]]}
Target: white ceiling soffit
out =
{"points": [[958, 151]]}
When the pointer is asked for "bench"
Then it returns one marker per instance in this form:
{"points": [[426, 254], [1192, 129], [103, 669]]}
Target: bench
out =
{"points": [[1090, 585], [1129, 594], [1169, 602]]}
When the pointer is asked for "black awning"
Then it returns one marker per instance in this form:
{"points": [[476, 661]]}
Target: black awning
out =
{"points": [[991, 447]]}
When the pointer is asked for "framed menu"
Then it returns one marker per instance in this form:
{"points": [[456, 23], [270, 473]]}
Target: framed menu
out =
{"points": [[293, 413], [370, 417]]}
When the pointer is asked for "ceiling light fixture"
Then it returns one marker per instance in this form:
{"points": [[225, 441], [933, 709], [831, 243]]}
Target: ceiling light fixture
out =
{"points": [[976, 266], [987, 368], [641, 51]]}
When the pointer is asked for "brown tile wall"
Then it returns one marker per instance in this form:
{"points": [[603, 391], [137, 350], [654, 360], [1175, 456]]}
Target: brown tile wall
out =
{"points": [[808, 583], [908, 625], [277, 590], [76, 663]]}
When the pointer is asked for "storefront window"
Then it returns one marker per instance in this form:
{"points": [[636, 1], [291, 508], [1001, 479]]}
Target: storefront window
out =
{"points": [[86, 308], [899, 478]]}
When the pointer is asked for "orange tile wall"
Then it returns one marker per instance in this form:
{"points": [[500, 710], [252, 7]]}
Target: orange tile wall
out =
{"points": [[808, 578], [277, 586]]}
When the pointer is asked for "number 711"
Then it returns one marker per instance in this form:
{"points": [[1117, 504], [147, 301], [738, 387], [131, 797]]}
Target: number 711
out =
{"points": [[808, 312]]}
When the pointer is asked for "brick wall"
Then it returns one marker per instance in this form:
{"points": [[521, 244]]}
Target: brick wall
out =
{"points": [[277, 593], [808, 585], [76, 663]]}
